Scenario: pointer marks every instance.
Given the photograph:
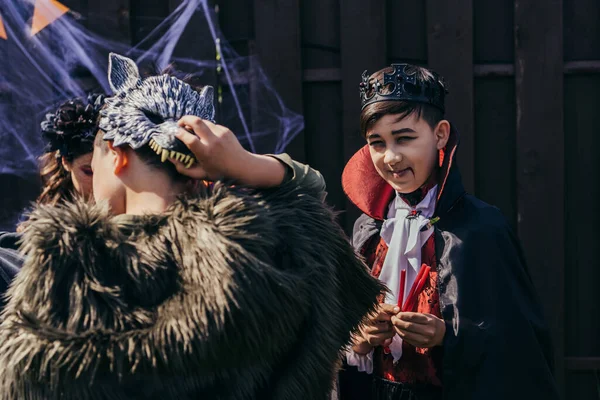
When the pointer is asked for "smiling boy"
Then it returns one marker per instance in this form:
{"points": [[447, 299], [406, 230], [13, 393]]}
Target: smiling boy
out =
{"points": [[461, 320]]}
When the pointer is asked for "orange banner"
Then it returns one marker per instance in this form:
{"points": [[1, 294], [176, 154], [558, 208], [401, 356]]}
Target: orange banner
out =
{"points": [[2, 30], [45, 13]]}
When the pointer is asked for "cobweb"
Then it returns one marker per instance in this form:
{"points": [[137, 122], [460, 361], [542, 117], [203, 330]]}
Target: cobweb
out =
{"points": [[65, 59]]}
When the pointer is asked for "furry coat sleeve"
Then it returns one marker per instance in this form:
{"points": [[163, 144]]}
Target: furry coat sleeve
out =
{"points": [[234, 295]]}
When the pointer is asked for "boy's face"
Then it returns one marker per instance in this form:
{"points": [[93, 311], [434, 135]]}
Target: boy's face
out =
{"points": [[105, 183], [405, 152]]}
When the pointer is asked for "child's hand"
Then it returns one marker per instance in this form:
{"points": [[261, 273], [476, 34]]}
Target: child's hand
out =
{"points": [[377, 330], [215, 147], [419, 330], [220, 155]]}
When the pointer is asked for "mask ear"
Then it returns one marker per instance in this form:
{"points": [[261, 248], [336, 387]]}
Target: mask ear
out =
{"points": [[207, 106], [122, 73], [208, 93]]}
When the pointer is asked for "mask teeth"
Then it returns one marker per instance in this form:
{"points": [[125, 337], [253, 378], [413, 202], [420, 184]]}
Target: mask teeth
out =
{"points": [[179, 157], [189, 162], [164, 155], [172, 154], [157, 149]]}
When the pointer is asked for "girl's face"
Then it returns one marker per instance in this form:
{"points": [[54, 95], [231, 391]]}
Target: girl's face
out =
{"points": [[81, 174]]}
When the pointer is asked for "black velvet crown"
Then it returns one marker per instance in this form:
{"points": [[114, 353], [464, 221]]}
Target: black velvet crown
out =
{"points": [[404, 84]]}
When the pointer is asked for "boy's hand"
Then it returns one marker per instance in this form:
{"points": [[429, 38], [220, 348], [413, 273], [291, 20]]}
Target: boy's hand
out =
{"points": [[377, 330], [419, 330], [220, 155]]}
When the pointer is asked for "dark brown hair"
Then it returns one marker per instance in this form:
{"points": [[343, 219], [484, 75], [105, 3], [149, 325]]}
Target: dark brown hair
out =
{"points": [[56, 180], [150, 158], [373, 112], [69, 132]]}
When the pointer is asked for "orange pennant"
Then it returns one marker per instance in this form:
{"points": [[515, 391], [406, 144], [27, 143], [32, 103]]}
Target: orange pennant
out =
{"points": [[45, 13], [2, 30]]}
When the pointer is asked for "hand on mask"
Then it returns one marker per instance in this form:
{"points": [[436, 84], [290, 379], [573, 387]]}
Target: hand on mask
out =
{"points": [[220, 155]]}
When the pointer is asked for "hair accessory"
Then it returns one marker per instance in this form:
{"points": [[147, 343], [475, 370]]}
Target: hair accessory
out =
{"points": [[71, 129]]}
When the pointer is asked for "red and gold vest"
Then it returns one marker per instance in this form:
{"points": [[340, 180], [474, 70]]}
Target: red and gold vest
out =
{"points": [[417, 365]]}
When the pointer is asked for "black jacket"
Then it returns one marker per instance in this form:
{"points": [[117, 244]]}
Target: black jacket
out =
{"points": [[10, 263], [9, 240], [497, 345]]}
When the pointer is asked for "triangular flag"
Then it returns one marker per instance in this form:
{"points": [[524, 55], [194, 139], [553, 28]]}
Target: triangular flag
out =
{"points": [[45, 13], [2, 30]]}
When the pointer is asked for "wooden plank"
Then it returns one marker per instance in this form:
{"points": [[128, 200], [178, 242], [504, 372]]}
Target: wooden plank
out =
{"points": [[485, 70], [320, 21], [320, 33], [277, 44], [361, 49], [582, 385], [540, 158], [495, 151], [570, 68], [450, 53], [479, 71], [582, 299], [145, 16], [493, 31], [197, 43], [110, 19], [78, 9], [582, 67], [406, 31], [322, 113], [581, 30], [583, 363], [322, 75], [236, 19]]}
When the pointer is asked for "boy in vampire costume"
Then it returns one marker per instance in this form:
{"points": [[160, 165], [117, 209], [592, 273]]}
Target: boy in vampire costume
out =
{"points": [[461, 320], [176, 291]]}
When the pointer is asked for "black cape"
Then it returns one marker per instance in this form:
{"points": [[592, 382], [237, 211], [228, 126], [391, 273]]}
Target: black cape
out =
{"points": [[497, 345]]}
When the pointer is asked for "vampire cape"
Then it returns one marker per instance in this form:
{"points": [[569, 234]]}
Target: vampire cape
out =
{"points": [[496, 345], [234, 294]]}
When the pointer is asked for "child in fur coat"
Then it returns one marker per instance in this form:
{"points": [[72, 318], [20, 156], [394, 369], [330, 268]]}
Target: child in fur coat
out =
{"points": [[157, 292]]}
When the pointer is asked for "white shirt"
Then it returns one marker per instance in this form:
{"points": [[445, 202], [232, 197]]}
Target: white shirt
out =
{"points": [[401, 231]]}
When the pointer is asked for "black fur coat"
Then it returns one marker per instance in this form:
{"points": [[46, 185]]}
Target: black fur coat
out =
{"points": [[232, 295]]}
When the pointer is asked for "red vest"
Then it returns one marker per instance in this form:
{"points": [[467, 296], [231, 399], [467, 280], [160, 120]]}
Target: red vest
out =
{"points": [[417, 365]]}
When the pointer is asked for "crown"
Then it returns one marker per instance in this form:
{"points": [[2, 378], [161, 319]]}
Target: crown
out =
{"points": [[405, 83]]}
